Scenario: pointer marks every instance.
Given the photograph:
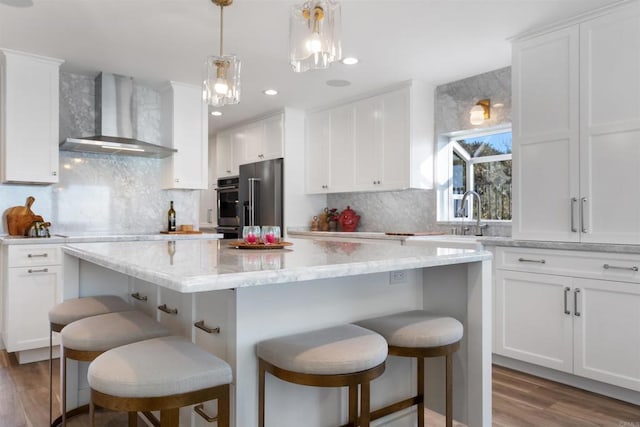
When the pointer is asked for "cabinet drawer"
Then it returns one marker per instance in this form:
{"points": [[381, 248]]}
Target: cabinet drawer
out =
{"points": [[33, 255], [596, 265]]}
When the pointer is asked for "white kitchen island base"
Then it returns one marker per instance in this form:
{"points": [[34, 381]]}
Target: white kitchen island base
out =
{"points": [[248, 314]]}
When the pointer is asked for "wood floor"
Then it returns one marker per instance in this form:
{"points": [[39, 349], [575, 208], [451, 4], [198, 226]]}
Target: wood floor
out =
{"points": [[518, 400]]}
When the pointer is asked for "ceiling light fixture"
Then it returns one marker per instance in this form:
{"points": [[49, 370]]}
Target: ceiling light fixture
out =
{"points": [[216, 113], [480, 112], [270, 92], [350, 60], [314, 35], [222, 73]]}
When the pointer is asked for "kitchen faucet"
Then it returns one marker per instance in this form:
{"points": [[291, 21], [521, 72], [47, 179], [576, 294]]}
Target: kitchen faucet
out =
{"points": [[461, 210]]}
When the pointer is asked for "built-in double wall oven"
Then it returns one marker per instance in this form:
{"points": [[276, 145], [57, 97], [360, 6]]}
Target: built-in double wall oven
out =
{"points": [[228, 207]]}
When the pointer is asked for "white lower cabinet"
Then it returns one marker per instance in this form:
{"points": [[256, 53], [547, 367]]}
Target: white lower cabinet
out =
{"points": [[32, 284], [583, 321]]}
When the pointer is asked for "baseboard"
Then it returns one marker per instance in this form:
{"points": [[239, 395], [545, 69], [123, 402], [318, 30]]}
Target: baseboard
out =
{"points": [[36, 354]]}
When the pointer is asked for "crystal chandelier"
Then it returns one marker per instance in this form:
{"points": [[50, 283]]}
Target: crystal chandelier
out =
{"points": [[221, 84], [314, 35]]}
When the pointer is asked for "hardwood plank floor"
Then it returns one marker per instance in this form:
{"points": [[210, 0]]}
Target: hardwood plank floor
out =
{"points": [[519, 400]]}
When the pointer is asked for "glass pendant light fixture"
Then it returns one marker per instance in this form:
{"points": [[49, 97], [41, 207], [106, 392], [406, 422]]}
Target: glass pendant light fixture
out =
{"points": [[480, 112], [221, 84], [314, 35]]}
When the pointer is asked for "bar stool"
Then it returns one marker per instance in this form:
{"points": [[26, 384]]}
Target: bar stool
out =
{"points": [[85, 339], [75, 309], [162, 374], [419, 334], [341, 356]]}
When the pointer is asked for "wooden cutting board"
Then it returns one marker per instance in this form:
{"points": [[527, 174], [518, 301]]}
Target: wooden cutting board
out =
{"points": [[415, 233]]}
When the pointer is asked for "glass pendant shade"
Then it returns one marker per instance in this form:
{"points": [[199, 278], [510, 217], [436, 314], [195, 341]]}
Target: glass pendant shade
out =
{"points": [[314, 35], [476, 116], [222, 80]]}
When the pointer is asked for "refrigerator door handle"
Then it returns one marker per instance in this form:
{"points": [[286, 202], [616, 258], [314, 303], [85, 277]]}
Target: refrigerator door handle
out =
{"points": [[252, 200]]}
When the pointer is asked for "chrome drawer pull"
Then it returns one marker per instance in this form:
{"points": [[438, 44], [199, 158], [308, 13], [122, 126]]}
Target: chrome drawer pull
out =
{"points": [[575, 302], [583, 223], [43, 270], [202, 326], [539, 261], [167, 310], [566, 292], [199, 409], [615, 267], [139, 297], [573, 214], [37, 255]]}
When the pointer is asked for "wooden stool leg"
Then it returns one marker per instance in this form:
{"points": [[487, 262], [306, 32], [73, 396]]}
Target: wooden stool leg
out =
{"points": [[420, 391], [170, 417], [50, 375], [353, 405], [261, 381], [223, 408], [365, 410], [449, 391], [133, 419]]}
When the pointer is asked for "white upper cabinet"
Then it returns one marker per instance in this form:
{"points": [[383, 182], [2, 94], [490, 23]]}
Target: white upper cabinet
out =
{"points": [[185, 129], [576, 131], [383, 142], [226, 157], [29, 104]]}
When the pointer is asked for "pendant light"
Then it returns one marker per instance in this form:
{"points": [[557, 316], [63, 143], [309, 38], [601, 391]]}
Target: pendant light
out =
{"points": [[314, 35], [222, 73], [480, 112]]}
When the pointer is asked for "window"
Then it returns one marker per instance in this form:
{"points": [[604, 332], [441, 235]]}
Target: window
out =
{"points": [[479, 162]]}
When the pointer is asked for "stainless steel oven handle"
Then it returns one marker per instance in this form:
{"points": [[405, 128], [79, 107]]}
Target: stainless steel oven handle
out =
{"points": [[230, 187]]}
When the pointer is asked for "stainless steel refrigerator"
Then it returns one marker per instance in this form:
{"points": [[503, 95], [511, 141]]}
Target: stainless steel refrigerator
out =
{"points": [[260, 194]]}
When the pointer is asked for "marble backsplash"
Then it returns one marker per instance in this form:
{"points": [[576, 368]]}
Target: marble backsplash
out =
{"points": [[100, 193]]}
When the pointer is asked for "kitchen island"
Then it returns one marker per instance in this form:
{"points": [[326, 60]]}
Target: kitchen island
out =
{"points": [[195, 287]]}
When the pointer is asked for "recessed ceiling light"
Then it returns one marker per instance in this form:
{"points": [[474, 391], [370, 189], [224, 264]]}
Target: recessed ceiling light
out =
{"points": [[270, 92], [499, 104], [350, 60], [216, 113], [338, 83]]}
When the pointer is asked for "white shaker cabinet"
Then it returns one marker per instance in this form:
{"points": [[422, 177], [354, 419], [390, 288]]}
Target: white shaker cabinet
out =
{"points": [[576, 312], [29, 120], [226, 156], [317, 164], [576, 131], [32, 284], [185, 129]]}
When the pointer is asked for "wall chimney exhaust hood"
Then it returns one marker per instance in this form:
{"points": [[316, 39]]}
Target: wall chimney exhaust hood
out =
{"points": [[114, 123]]}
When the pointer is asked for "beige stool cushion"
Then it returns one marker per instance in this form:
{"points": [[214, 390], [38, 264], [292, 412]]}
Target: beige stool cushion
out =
{"points": [[415, 329], [79, 308], [157, 367], [106, 331], [343, 349]]}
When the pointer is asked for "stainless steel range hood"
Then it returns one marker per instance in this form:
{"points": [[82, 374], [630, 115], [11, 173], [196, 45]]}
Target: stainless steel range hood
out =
{"points": [[114, 123]]}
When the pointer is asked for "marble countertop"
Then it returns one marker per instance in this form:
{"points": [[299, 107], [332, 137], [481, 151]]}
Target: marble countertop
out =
{"points": [[206, 265], [63, 238]]}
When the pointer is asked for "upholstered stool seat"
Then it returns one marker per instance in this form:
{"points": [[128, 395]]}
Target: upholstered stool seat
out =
{"points": [[419, 334], [75, 309], [162, 374], [345, 355], [87, 338]]}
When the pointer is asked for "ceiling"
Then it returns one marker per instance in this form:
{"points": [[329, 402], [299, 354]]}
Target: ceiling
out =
{"points": [[438, 41]]}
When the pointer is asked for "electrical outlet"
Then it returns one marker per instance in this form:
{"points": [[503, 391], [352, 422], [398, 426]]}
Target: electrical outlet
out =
{"points": [[396, 277]]}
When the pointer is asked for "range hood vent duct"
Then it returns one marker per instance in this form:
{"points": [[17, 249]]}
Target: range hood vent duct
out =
{"points": [[114, 123]]}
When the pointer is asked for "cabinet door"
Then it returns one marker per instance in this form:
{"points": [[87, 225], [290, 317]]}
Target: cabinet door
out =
{"points": [[273, 137], [342, 149], [30, 294], [610, 127], [546, 137], [607, 332], [531, 320], [143, 296], [394, 153], [318, 167], [368, 130], [249, 142], [226, 164], [174, 311], [30, 92]]}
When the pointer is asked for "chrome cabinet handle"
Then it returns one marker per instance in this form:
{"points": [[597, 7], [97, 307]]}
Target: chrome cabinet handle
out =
{"points": [[199, 409], [37, 255], [615, 267], [139, 297], [566, 293], [583, 225], [573, 214], [200, 325], [43, 270], [167, 310], [539, 261], [575, 302]]}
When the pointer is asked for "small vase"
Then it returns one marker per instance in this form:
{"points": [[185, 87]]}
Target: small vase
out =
{"points": [[333, 225]]}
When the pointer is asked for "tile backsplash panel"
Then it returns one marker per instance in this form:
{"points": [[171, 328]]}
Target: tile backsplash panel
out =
{"points": [[104, 193]]}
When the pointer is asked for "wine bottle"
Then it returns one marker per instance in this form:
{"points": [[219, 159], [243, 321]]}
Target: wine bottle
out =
{"points": [[171, 216]]}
